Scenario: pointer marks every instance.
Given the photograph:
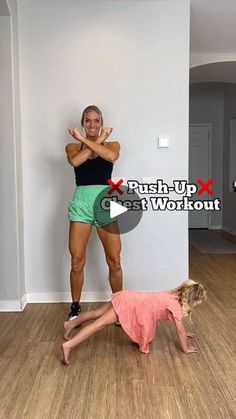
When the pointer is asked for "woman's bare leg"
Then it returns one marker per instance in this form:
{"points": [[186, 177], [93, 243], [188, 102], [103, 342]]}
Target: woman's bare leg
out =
{"points": [[78, 239], [111, 242], [84, 317], [109, 317]]}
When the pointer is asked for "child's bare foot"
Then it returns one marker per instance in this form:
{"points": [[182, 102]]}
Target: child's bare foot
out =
{"points": [[65, 353], [68, 327]]}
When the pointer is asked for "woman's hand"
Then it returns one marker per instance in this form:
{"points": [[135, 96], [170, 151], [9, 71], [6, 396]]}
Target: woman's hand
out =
{"points": [[105, 133], [76, 134], [190, 335], [191, 350]]}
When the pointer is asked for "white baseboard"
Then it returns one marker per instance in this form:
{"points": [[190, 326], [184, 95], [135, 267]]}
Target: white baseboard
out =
{"points": [[229, 230], [13, 305], [52, 297], [23, 302], [215, 228], [65, 297]]}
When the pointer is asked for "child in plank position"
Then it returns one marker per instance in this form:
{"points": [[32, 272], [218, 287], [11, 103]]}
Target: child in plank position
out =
{"points": [[138, 313]]}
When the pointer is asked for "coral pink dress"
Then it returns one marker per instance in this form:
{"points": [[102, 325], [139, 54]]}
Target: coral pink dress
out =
{"points": [[138, 313]]}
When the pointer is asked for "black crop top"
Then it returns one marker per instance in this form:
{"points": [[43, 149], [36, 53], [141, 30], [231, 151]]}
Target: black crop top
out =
{"points": [[93, 172]]}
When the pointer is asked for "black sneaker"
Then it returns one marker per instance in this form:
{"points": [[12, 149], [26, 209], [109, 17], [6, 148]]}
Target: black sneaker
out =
{"points": [[75, 310]]}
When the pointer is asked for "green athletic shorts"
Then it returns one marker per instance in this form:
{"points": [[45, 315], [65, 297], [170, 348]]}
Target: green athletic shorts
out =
{"points": [[84, 209]]}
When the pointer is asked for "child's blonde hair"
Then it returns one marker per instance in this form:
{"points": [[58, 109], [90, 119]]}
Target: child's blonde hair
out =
{"points": [[188, 293]]}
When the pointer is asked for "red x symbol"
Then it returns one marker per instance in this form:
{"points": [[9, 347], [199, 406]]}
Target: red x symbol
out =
{"points": [[205, 187], [115, 186]]}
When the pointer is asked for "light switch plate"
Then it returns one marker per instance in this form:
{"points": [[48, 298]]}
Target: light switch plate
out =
{"points": [[163, 142]]}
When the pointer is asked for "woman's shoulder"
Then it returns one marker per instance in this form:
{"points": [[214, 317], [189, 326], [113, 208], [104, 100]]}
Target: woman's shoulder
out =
{"points": [[73, 147], [112, 144]]}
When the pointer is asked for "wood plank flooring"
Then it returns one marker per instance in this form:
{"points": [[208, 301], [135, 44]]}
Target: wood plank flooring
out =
{"points": [[108, 378]]}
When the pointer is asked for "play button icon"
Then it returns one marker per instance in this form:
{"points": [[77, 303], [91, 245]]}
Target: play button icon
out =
{"points": [[120, 207], [116, 209]]}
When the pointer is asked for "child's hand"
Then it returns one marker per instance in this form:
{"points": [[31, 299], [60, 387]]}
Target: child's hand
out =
{"points": [[191, 349], [190, 335]]}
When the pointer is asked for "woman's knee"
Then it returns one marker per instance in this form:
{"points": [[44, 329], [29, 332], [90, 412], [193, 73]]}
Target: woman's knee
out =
{"points": [[114, 262], [77, 263]]}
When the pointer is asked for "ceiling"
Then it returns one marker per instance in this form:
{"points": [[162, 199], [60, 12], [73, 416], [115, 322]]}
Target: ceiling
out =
{"points": [[4, 8], [213, 26], [212, 30], [224, 72]]}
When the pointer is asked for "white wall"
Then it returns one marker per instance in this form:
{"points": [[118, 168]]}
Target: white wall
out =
{"points": [[229, 217], [207, 106], [12, 287], [132, 60], [8, 251]]}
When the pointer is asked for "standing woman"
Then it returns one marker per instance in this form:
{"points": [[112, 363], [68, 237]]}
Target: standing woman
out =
{"points": [[93, 159]]}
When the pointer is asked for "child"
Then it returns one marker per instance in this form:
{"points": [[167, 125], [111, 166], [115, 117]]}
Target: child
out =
{"points": [[138, 313]]}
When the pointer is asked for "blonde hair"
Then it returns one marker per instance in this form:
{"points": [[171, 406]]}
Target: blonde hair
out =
{"points": [[91, 108], [188, 293]]}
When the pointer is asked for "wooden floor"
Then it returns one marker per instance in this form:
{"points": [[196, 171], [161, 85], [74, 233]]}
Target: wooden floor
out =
{"points": [[109, 378]]}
